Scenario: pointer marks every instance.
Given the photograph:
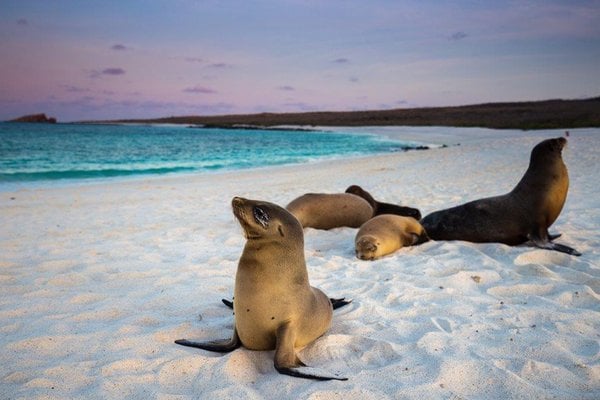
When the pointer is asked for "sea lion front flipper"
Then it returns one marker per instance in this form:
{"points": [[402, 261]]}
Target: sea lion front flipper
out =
{"points": [[548, 245], [228, 303], [564, 249], [288, 363], [337, 303], [220, 346]]}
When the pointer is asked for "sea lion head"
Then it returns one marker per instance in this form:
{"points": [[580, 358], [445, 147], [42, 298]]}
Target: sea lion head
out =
{"points": [[548, 148], [366, 248], [360, 192], [261, 219]]}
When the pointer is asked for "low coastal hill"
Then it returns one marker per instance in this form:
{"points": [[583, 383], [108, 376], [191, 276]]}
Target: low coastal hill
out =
{"points": [[35, 118], [548, 114]]}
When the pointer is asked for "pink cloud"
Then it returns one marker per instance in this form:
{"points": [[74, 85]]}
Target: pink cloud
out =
{"points": [[199, 90]]}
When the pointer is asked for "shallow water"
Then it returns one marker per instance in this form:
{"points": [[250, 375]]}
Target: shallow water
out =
{"points": [[31, 153]]}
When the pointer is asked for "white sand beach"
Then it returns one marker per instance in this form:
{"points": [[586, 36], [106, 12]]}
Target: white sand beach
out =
{"points": [[98, 280]]}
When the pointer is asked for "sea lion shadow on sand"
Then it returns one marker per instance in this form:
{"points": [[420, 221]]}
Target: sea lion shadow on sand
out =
{"points": [[523, 215], [275, 306]]}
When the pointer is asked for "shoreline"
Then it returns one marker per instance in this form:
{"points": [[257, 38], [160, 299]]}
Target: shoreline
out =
{"points": [[126, 175], [422, 138]]}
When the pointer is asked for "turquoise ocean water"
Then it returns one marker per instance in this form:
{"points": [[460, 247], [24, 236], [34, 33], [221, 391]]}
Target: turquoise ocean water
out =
{"points": [[42, 154]]}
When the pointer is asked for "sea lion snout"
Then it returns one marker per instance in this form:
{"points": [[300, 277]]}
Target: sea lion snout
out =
{"points": [[237, 202], [366, 248]]}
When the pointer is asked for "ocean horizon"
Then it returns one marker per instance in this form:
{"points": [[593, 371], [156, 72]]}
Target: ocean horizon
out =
{"points": [[33, 155]]}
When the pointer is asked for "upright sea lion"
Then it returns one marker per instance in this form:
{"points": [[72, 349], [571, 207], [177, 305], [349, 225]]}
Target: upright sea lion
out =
{"points": [[275, 306], [384, 208], [328, 211], [387, 233], [524, 214]]}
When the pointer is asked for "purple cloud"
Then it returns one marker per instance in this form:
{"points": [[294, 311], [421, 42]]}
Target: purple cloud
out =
{"points": [[199, 90], [458, 35], [113, 71], [353, 79], [341, 61], [94, 74], [22, 22], [194, 59], [74, 89], [119, 47], [220, 65], [286, 88]]}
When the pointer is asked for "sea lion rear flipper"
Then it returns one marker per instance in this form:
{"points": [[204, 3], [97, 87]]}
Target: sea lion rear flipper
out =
{"points": [[552, 237], [288, 363], [220, 346], [337, 303]]}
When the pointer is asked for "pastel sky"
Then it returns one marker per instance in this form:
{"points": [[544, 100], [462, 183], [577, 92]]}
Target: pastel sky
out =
{"points": [[109, 59]]}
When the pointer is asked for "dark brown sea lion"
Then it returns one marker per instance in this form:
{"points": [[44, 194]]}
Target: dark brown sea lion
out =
{"points": [[275, 306], [384, 208], [524, 214]]}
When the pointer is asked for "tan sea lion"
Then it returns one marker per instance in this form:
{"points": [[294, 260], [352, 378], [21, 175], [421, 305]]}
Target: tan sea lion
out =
{"points": [[524, 214], [275, 306], [384, 234], [384, 208], [328, 211]]}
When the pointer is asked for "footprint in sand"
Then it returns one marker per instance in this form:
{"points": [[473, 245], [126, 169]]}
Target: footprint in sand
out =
{"points": [[442, 324]]}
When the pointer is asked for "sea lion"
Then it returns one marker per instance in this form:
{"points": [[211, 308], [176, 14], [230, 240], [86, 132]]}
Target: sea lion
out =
{"points": [[275, 306], [384, 234], [328, 211], [384, 208], [524, 214]]}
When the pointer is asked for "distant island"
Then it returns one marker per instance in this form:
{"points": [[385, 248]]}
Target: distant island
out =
{"points": [[547, 114], [36, 118]]}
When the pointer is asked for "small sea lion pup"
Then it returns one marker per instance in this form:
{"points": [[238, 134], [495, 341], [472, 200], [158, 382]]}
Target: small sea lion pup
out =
{"points": [[522, 215], [384, 208], [384, 234], [275, 306], [328, 211]]}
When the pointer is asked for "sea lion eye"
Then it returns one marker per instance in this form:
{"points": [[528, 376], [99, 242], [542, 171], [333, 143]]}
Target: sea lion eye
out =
{"points": [[261, 216]]}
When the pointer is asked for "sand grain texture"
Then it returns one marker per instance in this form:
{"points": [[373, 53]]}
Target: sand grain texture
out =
{"points": [[98, 280]]}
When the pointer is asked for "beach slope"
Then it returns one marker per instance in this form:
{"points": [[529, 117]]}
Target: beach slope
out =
{"points": [[98, 281]]}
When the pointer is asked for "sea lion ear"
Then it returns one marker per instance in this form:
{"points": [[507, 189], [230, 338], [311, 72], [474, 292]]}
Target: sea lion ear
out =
{"points": [[280, 229]]}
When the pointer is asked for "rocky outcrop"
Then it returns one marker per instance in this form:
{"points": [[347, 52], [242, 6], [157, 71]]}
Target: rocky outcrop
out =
{"points": [[38, 118]]}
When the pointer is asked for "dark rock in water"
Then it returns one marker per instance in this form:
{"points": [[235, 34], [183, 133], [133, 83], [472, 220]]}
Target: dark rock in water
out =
{"points": [[37, 118]]}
